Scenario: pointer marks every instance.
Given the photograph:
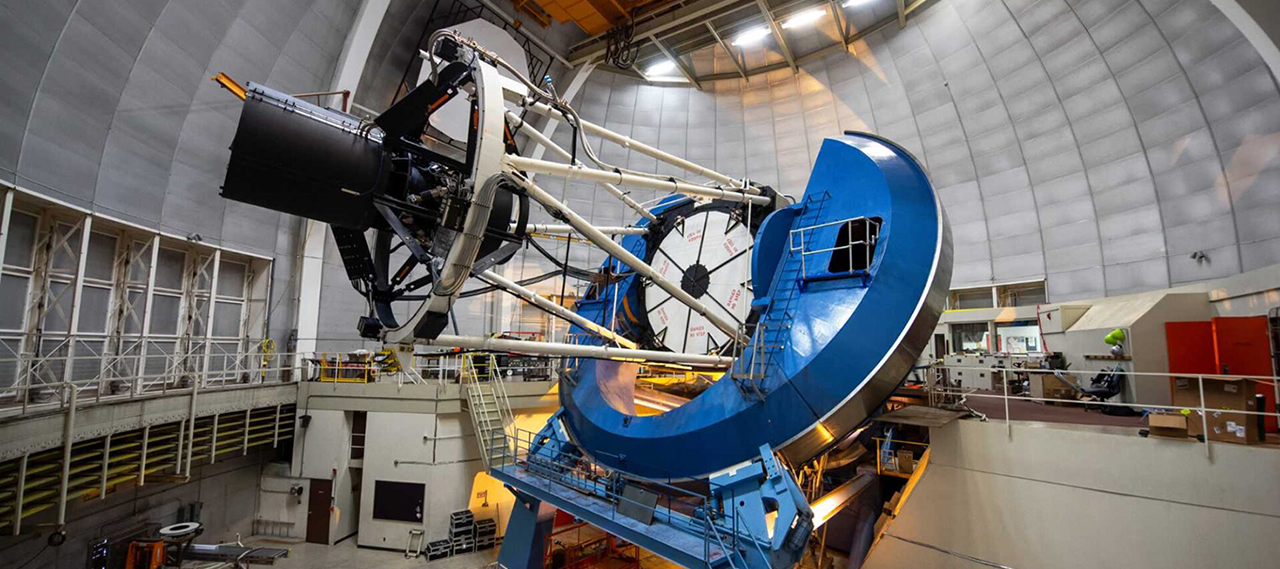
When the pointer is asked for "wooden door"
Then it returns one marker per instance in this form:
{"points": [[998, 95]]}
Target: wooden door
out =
{"points": [[1243, 347], [318, 511]]}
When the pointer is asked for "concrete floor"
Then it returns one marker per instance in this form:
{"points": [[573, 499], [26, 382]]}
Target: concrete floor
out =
{"points": [[1073, 413], [346, 555]]}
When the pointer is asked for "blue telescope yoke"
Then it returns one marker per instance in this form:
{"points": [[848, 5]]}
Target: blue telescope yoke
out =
{"points": [[848, 286]]}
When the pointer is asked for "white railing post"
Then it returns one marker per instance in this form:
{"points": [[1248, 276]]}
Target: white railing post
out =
{"points": [[1204, 420], [68, 434], [275, 435], [142, 461], [1008, 424], [191, 435], [106, 464], [19, 491], [213, 439], [244, 450]]}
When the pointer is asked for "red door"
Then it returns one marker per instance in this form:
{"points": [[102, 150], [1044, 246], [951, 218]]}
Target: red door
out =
{"points": [[1242, 347], [1190, 349]]}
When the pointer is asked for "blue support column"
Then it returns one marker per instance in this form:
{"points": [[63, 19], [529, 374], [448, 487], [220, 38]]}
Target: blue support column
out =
{"points": [[524, 544]]}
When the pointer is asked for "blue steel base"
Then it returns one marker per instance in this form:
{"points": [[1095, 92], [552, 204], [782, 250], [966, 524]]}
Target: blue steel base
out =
{"points": [[524, 544], [754, 517]]}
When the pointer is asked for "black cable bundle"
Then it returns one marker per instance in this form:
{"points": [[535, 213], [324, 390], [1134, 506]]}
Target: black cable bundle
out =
{"points": [[621, 49], [526, 282], [570, 271]]}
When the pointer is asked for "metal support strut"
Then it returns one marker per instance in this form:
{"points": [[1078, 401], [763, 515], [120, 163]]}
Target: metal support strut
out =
{"points": [[602, 241]]}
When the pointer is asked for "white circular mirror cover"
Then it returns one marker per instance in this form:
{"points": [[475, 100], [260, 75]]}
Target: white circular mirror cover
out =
{"points": [[708, 254]]}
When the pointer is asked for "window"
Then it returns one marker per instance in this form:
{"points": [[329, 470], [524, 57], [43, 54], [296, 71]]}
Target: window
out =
{"points": [[131, 317], [1022, 294], [855, 246], [969, 337], [1021, 337], [971, 298], [1001, 296]]}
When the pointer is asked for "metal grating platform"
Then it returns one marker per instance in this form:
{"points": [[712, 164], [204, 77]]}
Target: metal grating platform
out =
{"points": [[674, 545]]}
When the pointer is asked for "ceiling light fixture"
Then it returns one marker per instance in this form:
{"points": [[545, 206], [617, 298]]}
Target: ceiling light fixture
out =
{"points": [[855, 3], [751, 36], [804, 18], [661, 68]]}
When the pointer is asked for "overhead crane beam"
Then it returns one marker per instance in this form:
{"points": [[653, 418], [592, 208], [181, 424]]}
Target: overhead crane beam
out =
{"points": [[736, 57], [680, 64], [690, 14], [777, 32], [842, 24]]}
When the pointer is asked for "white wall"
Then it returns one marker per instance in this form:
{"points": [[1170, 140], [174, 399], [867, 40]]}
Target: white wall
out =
{"points": [[275, 504], [443, 454], [324, 452], [391, 437], [1051, 498]]}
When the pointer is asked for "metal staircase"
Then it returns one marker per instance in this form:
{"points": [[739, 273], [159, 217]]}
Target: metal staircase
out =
{"points": [[775, 321], [488, 404]]}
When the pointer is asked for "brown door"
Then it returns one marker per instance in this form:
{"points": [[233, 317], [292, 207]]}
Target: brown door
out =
{"points": [[318, 511]]}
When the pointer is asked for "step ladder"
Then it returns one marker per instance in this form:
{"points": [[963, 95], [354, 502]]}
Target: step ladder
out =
{"points": [[410, 551], [489, 407]]}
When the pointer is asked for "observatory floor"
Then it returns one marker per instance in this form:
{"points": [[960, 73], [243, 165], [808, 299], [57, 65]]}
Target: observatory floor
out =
{"points": [[1058, 413], [346, 555]]}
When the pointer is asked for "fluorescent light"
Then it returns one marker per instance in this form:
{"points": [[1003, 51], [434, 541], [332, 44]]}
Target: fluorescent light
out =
{"points": [[751, 36], [855, 3], [661, 68], [804, 18]]}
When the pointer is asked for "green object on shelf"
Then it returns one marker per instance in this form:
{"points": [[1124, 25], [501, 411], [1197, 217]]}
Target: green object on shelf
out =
{"points": [[1116, 337]]}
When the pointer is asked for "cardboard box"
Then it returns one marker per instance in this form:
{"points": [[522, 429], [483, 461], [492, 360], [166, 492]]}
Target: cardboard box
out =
{"points": [[1226, 395], [906, 461], [1045, 385], [1168, 425]]}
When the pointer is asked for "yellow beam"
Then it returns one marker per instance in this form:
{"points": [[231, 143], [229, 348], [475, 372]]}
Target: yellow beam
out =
{"points": [[229, 84]]}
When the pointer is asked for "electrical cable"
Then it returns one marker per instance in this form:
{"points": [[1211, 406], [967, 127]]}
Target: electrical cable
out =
{"points": [[621, 48], [573, 272], [564, 283], [525, 282]]}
